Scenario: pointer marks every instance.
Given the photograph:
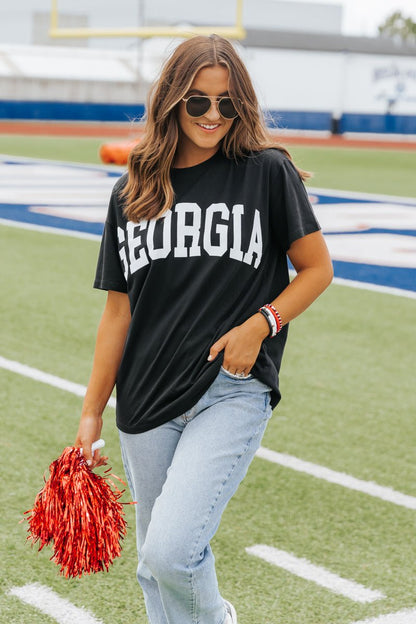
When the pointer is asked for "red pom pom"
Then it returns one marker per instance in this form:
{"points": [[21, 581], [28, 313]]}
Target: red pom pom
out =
{"points": [[79, 513]]}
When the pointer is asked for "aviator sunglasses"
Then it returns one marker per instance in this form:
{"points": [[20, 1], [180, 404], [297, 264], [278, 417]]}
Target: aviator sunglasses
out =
{"points": [[198, 105]]}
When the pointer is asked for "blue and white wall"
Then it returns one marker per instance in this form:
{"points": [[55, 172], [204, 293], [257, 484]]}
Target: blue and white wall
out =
{"points": [[303, 90], [366, 92]]}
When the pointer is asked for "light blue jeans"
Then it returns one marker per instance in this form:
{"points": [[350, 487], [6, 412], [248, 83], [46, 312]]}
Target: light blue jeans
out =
{"points": [[182, 475]]}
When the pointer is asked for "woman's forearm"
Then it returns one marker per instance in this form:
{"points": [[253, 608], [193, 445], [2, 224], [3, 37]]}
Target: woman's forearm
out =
{"points": [[111, 337], [314, 273], [307, 285], [297, 297], [108, 351], [309, 255]]}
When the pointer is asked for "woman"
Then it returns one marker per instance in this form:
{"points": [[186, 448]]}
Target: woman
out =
{"points": [[194, 259]]}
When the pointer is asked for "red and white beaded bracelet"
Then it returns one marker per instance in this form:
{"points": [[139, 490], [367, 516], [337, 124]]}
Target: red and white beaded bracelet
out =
{"points": [[273, 319]]}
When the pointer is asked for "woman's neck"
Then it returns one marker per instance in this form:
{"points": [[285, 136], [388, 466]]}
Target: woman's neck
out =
{"points": [[190, 157]]}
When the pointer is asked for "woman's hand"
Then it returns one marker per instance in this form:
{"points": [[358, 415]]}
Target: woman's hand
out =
{"points": [[89, 431], [241, 345]]}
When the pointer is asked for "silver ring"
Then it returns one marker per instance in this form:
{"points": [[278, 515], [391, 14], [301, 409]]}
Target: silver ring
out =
{"points": [[240, 374]]}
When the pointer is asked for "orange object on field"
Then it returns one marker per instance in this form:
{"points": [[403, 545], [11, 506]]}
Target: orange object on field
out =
{"points": [[117, 153]]}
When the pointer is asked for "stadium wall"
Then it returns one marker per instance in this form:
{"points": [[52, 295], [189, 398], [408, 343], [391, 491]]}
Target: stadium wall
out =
{"points": [[322, 90]]}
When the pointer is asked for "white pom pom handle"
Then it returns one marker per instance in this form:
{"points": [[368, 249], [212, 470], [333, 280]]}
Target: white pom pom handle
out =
{"points": [[98, 444]]}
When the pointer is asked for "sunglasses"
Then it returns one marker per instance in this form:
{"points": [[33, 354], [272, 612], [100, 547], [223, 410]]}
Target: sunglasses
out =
{"points": [[198, 105]]}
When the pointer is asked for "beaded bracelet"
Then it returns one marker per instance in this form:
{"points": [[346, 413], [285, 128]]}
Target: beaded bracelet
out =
{"points": [[273, 319], [276, 316]]}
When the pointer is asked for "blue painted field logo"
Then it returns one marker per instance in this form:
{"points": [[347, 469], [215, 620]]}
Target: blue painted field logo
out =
{"points": [[372, 239]]}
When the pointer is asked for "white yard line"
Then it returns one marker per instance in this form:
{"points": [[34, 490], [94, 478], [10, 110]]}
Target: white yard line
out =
{"points": [[47, 378], [288, 461], [388, 290], [49, 230], [317, 574], [339, 478], [405, 616], [48, 602], [361, 195]]}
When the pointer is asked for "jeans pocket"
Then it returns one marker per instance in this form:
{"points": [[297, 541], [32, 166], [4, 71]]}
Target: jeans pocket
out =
{"points": [[235, 377]]}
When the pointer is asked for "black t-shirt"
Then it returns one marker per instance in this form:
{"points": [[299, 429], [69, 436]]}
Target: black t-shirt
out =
{"points": [[204, 267]]}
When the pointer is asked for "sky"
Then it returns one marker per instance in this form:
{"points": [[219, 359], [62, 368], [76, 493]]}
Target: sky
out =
{"points": [[361, 17]]}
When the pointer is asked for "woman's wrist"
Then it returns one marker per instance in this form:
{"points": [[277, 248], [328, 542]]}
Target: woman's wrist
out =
{"points": [[91, 413], [259, 325], [273, 318]]}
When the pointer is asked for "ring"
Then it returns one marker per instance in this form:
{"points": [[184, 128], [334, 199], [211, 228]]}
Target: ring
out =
{"points": [[240, 374]]}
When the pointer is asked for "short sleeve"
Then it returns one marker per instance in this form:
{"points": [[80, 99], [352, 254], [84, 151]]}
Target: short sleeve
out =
{"points": [[292, 214], [110, 272]]}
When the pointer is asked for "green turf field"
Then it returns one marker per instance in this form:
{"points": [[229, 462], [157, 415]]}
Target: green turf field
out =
{"points": [[348, 404]]}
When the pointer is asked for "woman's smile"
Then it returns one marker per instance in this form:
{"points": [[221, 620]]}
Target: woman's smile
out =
{"points": [[208, 127]]}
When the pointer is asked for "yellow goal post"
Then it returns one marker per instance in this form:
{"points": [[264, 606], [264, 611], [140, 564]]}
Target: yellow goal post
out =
{"points": [[236, 31]]}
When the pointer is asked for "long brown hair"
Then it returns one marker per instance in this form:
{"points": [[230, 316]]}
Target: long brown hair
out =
{"points": [[148, 192]]}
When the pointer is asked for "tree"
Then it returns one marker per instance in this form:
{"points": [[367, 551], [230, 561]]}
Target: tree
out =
{"points": [[399, 27]]}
